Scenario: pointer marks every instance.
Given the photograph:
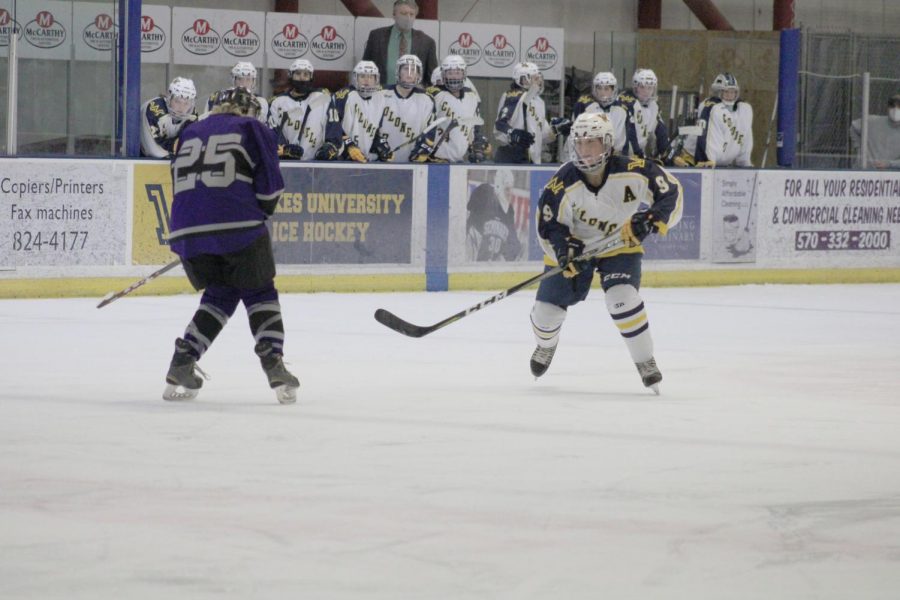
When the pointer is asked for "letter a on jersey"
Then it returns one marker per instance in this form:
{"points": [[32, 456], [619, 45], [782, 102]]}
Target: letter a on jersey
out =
{"points": [[629, 195]]}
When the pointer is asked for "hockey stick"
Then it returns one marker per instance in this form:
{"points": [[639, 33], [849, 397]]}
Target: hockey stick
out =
{"points": [[473, 121], [116, 295], [392, 321]]}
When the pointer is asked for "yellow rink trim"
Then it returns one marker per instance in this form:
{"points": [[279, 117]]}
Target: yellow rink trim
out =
{"points": [[498, 281], [97, 287]]}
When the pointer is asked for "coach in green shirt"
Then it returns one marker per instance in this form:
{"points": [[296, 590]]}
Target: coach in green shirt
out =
{"points": [[386, 44]]}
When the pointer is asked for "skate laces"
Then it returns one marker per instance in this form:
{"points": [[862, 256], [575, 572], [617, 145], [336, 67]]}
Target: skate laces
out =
{"points": [[543, 355]]}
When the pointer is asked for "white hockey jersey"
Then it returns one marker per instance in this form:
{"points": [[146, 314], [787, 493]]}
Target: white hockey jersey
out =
{"points": [[300, 121], [405, 119], [570, 207], [456, 147], [531, 116], [727, 137], [355, 120]]}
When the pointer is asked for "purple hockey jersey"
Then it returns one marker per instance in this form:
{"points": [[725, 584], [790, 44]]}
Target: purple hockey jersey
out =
{"points": [[226, 180]]}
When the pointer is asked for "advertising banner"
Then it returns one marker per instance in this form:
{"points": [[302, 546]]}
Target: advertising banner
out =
{"points": [[344, 216], [156, 26], [324, 40], [62, 213], [683, 241], [490, 216], [95, 30], [364, 25], [44, 26], [217, 37], [152, 207], [734, 216], [544, 47], [489, 50], [829, 219]]}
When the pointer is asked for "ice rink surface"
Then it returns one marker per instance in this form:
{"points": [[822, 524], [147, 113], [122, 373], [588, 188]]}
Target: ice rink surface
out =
{"points": [[769, 468]]}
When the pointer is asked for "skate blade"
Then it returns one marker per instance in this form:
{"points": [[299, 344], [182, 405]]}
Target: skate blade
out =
{"points": [[655, 388], [174, 393], [286, 394]]}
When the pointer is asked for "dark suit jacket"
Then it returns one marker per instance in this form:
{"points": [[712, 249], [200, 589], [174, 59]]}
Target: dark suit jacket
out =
{"points": [[422, 46]]}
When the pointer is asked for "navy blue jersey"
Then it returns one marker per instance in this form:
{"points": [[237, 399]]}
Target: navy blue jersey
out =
{"points": [[226, 180]]}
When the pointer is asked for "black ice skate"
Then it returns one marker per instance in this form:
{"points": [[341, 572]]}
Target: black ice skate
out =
{"points": [[182, 380], [540, 360], [280, 379], [650, 374]]}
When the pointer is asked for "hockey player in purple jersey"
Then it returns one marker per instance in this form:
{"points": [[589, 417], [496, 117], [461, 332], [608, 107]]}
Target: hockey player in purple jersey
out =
{"points": [[227, 181]]}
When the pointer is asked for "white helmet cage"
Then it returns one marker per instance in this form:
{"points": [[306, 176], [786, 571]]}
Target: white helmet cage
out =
{"points": [[645, 78], [453, 62], [365, 67], [244, 70], [410, 61], [725, 82], [181, 87], [590, 126], [602, 80], [527, 74]]}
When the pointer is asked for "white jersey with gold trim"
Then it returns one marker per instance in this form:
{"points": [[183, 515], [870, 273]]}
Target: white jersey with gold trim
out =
{"points": [[405, 119], [456, 147]]}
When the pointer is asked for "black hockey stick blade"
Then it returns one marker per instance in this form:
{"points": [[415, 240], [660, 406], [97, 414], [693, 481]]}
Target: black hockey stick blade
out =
{"points": [[392, 321]]}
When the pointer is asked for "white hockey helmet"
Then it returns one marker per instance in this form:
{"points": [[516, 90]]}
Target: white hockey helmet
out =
{"points": [[726, 82], [436, 76], [411, 64], [301, 64], [365, 78], [182, 95], [453, 72], [593, 140], [527, 75], [605, 97], [644, 83], [243, 74]]}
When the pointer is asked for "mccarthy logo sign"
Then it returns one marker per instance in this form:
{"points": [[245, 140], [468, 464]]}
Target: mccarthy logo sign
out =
{"points": [[542, 54], [329, 45], [240, 40], [289, 42], [201, 38], [7, 24], [499, 53], [101, 33], [152, 36], [466, 47], [44, 31]]}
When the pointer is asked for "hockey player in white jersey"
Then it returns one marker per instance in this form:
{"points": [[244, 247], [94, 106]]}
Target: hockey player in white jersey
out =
{"points": [[408, 108], [457, 101], [243, 75], [163, 118], [604, 97], [521, 127], [727, 124], [355, 119], [596, 195], [650, 136], [298, 115]]}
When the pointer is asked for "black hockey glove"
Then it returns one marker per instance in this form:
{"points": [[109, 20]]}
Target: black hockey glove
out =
{"points": [[641, 225], [565, 255], [561, 125], [479, 150], [521, 138], [291, 151], [381, 147], [328, 151]]}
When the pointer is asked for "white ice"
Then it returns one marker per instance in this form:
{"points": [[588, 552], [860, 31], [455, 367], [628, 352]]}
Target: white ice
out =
{"points": [[769, 468]]}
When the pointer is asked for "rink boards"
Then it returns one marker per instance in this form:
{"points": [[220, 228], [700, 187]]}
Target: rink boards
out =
{"points": [[83, 227]]}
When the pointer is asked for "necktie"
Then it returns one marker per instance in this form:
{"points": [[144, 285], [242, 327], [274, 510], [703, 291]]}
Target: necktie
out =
{"points": [[404, 47]]}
